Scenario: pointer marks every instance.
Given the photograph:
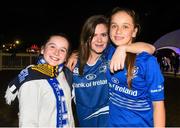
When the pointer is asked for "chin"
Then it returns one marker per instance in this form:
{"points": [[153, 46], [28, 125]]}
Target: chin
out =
{"points": [[99, 52], [119, 43], [53, 64]]}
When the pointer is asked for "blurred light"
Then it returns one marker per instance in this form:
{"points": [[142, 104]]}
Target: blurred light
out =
{"points": [[17, 42]]}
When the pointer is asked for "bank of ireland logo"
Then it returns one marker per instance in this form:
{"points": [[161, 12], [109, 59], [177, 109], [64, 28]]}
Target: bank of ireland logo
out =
{"points": [[160, 87], [115, 80], [90, 76]]}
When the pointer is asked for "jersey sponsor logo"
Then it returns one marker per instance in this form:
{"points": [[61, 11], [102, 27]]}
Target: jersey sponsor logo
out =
{"points": [[123, 89], [90, 84], [159, 89], [115, 80], [90, 76]]}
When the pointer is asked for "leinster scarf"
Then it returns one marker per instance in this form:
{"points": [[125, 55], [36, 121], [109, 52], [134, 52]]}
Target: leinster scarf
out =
{"points": [[60, 103], [41, 71], [60, 99]]}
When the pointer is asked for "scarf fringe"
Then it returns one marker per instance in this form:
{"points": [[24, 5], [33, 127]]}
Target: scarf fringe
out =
{"points": [[9, 96]]}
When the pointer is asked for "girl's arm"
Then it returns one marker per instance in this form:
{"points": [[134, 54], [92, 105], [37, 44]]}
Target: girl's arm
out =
{"points": [[159, 114], [118, 58], [140, 47]]}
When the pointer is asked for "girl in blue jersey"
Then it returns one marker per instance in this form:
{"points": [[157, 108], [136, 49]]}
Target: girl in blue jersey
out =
{"points": [[137, 91], [89, 78], [89, 75]]}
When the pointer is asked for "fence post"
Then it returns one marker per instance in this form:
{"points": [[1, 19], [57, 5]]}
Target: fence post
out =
{"points": [[0, 60]]}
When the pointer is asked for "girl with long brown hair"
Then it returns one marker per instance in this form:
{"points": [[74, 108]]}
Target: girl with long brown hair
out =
{"points": [[136, 91]]}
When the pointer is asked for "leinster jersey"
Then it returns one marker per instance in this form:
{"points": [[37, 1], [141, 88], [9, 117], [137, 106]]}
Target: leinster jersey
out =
{"points": [[133, 107], [91, 94]]}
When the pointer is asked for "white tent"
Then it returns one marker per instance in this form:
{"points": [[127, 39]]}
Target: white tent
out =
{"points": [[169, 41]]}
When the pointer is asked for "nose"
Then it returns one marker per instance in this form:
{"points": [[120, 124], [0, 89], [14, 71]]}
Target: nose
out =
{"points": [[56, 52], [118, 30], [99, 39]]}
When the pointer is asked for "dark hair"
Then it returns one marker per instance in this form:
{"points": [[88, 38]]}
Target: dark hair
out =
{"points": [[130, 58], [60, 35], [86, 37]]}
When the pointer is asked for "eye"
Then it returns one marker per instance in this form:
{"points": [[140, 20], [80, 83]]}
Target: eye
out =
{"points": [[125, 27], [104, 34], [63, 50], [113, 26], [52, 46], [94, 35]]}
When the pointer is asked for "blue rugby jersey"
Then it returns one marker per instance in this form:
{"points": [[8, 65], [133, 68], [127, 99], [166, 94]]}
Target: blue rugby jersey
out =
{"points": [[91, 94], [133, 107]]}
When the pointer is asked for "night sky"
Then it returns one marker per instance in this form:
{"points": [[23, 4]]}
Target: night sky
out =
{"points": [[32, 22]]}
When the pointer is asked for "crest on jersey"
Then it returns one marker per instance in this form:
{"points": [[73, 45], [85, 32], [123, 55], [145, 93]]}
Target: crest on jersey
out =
{"points": [[76, 71], [135, 71], [103, 68]]}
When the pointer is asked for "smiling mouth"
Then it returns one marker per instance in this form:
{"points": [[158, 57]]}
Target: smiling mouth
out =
{"points": [[54, 58], [118, 38], [99, 45]]}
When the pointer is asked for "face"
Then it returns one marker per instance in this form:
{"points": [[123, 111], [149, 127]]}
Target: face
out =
{"points": [[122, 28], [55, 51], [100, 39]]}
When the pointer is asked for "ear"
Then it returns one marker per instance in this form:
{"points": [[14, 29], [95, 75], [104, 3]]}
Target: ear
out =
{"points": [[135, 32], [42, 50], [67, 56]]}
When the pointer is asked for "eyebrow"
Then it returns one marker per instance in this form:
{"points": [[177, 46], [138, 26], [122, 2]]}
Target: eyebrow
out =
{"points": [[101, 33], [128, 23], [123, 23], [65, 49], [51, 43]]}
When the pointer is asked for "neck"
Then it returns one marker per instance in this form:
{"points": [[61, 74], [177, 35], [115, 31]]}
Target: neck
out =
{"points": [[93, 58]]}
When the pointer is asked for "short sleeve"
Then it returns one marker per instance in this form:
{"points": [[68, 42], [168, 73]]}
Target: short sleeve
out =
{"points": [[155, 79]]}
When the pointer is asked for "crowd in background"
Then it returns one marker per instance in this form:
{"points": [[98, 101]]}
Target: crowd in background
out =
{"points": [[169, 62]]}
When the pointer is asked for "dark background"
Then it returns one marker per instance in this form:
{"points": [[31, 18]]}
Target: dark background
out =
{"points": [[31, 22]]}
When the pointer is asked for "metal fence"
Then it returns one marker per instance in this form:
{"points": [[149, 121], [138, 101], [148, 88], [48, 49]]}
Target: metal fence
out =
{"points": [[17, 61]]}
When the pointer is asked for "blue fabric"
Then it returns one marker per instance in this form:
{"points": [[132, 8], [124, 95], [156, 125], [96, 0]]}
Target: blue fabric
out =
{"points": [[133, 107], [91, 94], [61, 108], [29, 74]]}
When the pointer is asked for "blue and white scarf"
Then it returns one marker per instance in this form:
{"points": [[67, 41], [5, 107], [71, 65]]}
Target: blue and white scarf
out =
{"points": [[12, 90], [60, 98]]}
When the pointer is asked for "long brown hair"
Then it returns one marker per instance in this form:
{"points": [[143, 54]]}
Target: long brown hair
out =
{"points": [[86, 37], [130, 58]]}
